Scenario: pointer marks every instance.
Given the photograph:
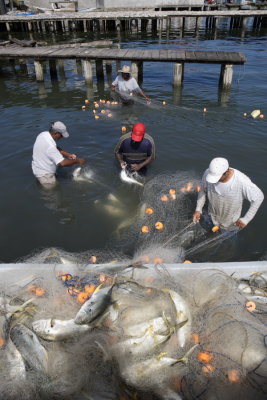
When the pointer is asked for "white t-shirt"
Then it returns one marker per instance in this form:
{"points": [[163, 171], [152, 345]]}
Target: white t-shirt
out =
{"points": [[126, 86], [46, 156]]}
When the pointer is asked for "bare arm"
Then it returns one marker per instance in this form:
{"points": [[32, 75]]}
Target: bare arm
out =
{"points": [[66, 154], [137, 167], [120, 160], [67, 162]]}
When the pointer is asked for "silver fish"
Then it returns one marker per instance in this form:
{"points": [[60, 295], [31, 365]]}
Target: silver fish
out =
{"points": [[95, 306], [56, 329], [15, 364], [183, 316], [82, 175], [27, 343], [127, 177]]}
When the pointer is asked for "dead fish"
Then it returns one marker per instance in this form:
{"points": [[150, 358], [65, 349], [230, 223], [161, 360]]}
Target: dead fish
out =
{"points": [[95, 306], [183, 316], [82, 175], [128, 178], [56, 329], [15, 364], [27, 343], [155, 325], [259, 280]]}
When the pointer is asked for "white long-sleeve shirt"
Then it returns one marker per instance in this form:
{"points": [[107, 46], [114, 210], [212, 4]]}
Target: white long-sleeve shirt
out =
{"points": [[126, 86], [226, 199]]}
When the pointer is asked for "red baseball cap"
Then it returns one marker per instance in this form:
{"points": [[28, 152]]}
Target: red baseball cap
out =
{"points": [[138, 132]]}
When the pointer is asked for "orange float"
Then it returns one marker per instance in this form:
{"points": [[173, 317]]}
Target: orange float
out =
{"points": [[149, 211], [204, 357], [96, 116], [208, 369], [158, 260], [103, 111], [89, 289], [234, 375], [93, 259], [66, 277], [164, 198], [82, 297], [159, 226], [31, 289], [195, 338], [198, 188], [40, 292], [109, 115], [250, 306], [86, 101], [2, 342], [187, 262], [145, 229], [215, 228], [123, 128], [83, 107]]}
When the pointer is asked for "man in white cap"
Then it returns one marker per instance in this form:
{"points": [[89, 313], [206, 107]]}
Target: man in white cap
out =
{"points": [[226, 188], [47, 156], [126, 84]]}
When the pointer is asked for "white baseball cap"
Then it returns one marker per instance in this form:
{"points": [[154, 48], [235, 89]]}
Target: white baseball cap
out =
{"points": [[60, 128], [217, 168]]}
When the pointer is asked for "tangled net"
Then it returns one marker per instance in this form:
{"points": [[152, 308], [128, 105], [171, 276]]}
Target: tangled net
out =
{"points": [[164, 333]]}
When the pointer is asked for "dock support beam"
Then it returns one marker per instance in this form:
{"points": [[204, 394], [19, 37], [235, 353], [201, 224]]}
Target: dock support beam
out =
{"points": [[178, 74], [109, 72], [53, 69], [88, 72], [39, 71], [137, 70], [226, 75]]}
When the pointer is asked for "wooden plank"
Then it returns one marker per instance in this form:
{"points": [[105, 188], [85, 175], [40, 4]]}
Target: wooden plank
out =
{"points": [[154, 55], [190, 56], [206, 56]]}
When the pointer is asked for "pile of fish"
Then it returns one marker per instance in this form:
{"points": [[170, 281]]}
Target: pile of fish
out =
{"points": [[177, 337]]}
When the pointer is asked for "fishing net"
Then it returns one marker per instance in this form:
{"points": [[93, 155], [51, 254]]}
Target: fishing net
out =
{"points": [[164, 333]]}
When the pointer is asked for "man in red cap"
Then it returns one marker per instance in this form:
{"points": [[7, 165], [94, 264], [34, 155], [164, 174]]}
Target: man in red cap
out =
{"points": [[135, 149]]}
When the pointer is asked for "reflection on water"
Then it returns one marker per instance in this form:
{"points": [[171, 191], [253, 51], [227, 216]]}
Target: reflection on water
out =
{"points": [[78, 215]]}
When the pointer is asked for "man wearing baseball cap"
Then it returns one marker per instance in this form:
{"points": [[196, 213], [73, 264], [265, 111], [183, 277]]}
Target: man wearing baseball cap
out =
{"points": [[135, 149], [226, 188], [126, 85], [47, 155]]}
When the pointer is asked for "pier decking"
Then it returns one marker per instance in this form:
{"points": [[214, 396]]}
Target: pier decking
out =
{"points": [[137, 57], [122, 20]]}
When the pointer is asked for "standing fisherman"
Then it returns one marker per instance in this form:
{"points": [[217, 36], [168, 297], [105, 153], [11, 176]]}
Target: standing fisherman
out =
{"points": [[225, 189], [47, 155], [126, 84], [136, 149]]}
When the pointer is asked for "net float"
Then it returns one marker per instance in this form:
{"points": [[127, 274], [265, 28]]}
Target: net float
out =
{"points": [[145, 229]]}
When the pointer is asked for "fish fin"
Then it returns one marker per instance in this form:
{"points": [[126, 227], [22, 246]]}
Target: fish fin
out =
{"points": [[98, 288]]}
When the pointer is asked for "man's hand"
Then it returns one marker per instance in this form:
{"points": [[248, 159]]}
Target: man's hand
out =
{"points": [[136, 167], [148, 101], [113, 88], [240, 224], [72, 156], [123, 164], [81, 161], [196, 216]]}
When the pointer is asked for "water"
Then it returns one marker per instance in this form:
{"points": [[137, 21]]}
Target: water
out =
{"points": [[186, 139]]}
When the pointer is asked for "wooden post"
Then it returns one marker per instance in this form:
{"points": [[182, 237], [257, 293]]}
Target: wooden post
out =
{"points": [[154, 24], [118, 65], [109, 72], [61, 69], [23, 65], [79, 67], [99, 69], [226, 75], [87, 71], [53, 69], [84, 26], [39, 71], [30, 26], [178, 74], [8, 26], [134, 69]]}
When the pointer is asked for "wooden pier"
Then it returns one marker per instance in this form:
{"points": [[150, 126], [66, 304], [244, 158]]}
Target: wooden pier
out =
{"points": [[124, 20], [56, 54]]}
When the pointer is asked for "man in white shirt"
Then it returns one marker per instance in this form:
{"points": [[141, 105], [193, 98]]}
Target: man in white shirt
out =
{"points": [[225, 189], [47, 156], [126, 85]]}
